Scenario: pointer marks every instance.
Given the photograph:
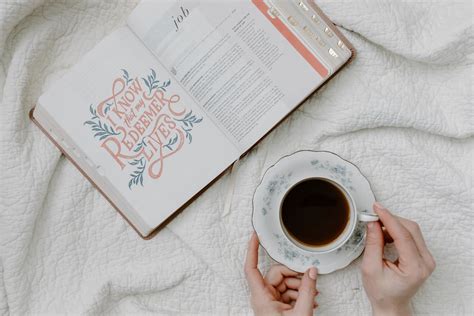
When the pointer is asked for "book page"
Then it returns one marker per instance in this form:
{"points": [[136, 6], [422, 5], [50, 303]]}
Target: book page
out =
{"points": [[245, 70], [126, 115]]}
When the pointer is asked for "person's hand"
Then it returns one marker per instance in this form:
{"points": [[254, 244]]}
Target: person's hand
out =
{"points": [[391, 285], [282, 291]]}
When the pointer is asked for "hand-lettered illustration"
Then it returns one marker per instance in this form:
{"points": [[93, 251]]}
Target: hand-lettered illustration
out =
{"points": [[141, 124]]}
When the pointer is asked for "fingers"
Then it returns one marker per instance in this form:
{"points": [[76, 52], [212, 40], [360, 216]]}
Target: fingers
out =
{"points": [[293, 283], [401, 236], [252, 274], [373, 253], [415, 231], [290, 291], [306, 293], [277, 274], [289, 295], [289, 283], [280, 306], [386, 236]]}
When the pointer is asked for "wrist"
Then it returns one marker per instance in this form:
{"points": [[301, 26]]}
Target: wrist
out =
{"points": [[393, 310]]}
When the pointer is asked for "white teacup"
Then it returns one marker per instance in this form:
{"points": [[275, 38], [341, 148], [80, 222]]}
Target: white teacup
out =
{"points": [[345, 235]]}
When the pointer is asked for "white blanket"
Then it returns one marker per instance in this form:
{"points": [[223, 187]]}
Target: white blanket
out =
{"points": [[402, 111]]}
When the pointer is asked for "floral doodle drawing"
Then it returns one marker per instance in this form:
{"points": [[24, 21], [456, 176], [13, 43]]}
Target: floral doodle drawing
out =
{"points": [[137, 175], [152, 83], [188, 122], [141, 124], [102, 130]]}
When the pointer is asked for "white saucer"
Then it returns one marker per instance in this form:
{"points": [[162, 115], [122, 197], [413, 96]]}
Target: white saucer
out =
{"points": [[288, 171]]}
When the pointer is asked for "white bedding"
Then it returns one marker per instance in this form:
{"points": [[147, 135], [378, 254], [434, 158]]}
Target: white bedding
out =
{"points": [[402, 111]]}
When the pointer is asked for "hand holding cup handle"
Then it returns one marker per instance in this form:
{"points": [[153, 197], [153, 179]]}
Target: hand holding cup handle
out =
{"points": [[390, 285]]}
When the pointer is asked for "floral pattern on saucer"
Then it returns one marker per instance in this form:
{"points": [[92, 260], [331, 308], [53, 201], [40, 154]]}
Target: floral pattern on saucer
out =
{"points": [[288, 171], [275, 187], [290, 254]]}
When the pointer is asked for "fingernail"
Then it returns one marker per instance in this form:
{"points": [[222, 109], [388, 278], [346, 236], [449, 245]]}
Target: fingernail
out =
{"points": [[312, 273], [370, 225]]}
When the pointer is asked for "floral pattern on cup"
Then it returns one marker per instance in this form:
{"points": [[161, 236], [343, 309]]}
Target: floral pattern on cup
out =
{"points": [[338, 171]]}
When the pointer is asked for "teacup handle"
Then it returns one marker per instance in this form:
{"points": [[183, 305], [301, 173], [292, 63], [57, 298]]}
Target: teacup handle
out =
{"points": [[367, 217]]}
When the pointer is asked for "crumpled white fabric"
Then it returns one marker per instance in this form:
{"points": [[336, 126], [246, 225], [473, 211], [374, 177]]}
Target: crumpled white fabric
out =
{"points": [[402, 111]]}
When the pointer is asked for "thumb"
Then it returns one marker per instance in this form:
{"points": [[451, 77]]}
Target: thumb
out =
{"points": [[373, 254], [306, 293]]}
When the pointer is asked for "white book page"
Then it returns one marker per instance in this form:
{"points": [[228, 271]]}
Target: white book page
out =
{"points": [[124, 112], [231, 59]]}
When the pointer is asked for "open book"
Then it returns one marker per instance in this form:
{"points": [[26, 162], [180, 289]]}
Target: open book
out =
{"points": [[160, 108]]}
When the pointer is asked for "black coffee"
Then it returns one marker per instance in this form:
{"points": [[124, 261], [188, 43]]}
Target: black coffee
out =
{"points": [[315, 212]]}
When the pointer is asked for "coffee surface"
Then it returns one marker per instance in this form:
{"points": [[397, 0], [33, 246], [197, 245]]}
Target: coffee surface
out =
{"points": [[315, 212]]}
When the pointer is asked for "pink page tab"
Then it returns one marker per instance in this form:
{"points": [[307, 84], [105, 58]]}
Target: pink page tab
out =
{"points": [[292, 39]]}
